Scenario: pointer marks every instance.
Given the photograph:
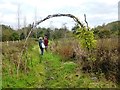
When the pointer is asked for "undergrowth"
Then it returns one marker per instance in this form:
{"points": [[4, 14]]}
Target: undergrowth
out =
{"points": [[60, 74], [49, 71], [30, 78]]}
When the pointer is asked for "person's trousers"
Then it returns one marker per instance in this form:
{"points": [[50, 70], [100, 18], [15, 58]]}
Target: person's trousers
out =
{"points": [[42, 50]]}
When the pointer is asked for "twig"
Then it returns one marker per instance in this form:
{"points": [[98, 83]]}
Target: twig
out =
{"points": [[86, 21]]}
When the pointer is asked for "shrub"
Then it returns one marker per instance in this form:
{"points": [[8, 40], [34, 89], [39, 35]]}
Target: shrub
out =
{"points": [[69, 49], [104, 59]]}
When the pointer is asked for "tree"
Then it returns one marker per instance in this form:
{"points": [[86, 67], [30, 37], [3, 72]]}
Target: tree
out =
{"points": [[22, 36], [86, 37], [15, 36], [39, 33], [47, 33], [75, 28], [6, 32]]}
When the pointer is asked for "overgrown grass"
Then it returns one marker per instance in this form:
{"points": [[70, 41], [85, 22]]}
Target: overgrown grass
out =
{"points": [[60, 74], [30, 78], [102, 61], [49, 71]]}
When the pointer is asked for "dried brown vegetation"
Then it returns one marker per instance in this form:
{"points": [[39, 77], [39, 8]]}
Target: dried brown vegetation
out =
{"points": [[104, 59]]}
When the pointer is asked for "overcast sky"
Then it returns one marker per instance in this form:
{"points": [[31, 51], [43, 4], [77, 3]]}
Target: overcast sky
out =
{"points": [[97, 11]]}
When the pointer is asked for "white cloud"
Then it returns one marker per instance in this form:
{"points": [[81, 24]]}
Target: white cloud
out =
{"points": [[109, 2], [8, 6], [102, 10], [51, 4]]}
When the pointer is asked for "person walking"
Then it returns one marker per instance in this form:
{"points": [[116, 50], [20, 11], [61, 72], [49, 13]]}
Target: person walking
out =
{"points": [[46, 42], [41, 45]]}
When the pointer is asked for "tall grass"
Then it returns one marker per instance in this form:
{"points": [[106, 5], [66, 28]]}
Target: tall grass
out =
{"points": [[107, 58], [103, 60], [68, 48], [10, 59], [11, 53]]}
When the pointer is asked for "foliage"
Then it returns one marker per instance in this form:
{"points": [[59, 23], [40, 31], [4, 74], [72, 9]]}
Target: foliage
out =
{"points": [[104, 31], [29, 66], [14, 36], [6, 32], [22, 36], [39, 33], [86, 37], [107, 31], [105, 60], [75, 28]]}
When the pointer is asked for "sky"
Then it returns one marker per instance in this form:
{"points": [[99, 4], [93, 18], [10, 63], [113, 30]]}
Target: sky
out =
{"points": [[97, 12]]}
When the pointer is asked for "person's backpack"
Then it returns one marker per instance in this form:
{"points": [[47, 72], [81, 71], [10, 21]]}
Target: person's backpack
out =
{"points": [[42, 44]]}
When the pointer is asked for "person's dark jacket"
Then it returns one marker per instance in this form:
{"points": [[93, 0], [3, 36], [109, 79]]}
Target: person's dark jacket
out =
{"points": [[40, 43]]}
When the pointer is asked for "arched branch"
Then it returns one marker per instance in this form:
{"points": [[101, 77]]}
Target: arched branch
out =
{"points": [[59, 15]]}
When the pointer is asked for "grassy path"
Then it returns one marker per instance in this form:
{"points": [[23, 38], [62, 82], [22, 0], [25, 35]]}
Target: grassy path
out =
{"points": [[55, 72], [49, 71], [58, 74]]}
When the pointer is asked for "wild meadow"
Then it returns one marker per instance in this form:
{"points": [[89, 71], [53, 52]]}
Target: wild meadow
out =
{"points": [[66, 64]]}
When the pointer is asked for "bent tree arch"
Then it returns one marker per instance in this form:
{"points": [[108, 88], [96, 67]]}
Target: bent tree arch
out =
{"points": [[37, 23], [59, 15], [55, 15]]}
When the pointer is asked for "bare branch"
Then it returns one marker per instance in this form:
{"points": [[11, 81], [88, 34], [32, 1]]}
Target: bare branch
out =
{"points": [[86, 21], [59, 15]]}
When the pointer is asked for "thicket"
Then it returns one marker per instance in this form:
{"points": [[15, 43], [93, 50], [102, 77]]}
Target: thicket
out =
{"points": [[102, 60]]}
